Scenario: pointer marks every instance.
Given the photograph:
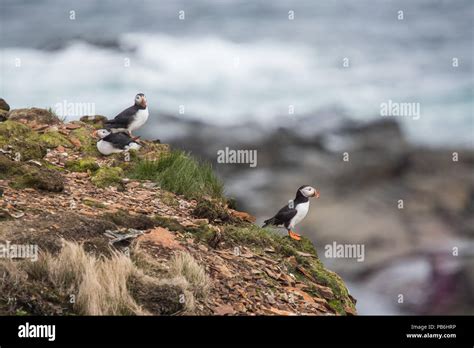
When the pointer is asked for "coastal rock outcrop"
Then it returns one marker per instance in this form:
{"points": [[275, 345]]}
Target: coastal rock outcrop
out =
{"points": [[137, 225]]}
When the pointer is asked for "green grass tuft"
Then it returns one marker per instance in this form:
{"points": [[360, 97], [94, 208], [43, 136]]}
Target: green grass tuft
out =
{"points": [[261, 238], [178, 172]]}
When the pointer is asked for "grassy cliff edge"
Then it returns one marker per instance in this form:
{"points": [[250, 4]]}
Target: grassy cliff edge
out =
{"points": [[147, 233]]}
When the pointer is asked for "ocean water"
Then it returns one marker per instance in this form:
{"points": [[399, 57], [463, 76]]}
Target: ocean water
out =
{"points": [[230, 62]]}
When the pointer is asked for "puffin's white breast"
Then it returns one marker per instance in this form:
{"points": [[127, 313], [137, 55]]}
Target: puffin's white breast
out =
{"points": [[301, 211], [139, 120], [107, 148]]}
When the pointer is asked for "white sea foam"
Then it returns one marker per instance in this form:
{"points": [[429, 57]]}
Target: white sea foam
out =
{"points": [[220, 81]]}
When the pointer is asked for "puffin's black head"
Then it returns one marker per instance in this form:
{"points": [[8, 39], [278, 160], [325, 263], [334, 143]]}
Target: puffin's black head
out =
{"points": [[101, 133], [308, 191], [140, 100]]}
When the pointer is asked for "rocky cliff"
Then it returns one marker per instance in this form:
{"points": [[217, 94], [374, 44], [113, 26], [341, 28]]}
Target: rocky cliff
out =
{"points": [[411, 205], [149, 232]]}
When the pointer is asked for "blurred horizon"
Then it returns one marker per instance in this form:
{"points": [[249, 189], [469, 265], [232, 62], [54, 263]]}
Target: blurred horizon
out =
{"points": [[238, 61]]}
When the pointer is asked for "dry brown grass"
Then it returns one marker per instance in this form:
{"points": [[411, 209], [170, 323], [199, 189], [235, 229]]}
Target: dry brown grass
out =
{"points": [[183, 264], [10, 274], [115, 285], [99, 284]]}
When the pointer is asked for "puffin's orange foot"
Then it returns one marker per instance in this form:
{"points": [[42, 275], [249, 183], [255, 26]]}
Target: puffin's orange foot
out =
{"points": [[294, 235]]}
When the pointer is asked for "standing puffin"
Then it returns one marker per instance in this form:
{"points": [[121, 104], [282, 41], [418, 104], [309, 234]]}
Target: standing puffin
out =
{"points": [[131, 118], [110, 143], [294, 212]]}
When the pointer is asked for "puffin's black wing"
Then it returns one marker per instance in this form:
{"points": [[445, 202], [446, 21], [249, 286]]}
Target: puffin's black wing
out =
{"points": [[118, 140], [283, 216], [123, 119]]}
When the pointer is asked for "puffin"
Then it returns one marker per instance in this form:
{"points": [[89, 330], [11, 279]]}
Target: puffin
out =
{"points": [[110, 143], [294, 212], [131, 118]]}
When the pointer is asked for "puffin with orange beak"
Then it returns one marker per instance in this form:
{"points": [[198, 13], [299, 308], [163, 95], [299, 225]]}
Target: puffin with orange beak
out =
{"points": [[131, 118], [294, 212]]}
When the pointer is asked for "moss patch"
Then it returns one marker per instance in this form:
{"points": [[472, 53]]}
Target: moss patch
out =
{"points": [[88, 142], [330, 279], [51, 166], [82, 165], [337, 306], [260, 238], [108, 176], [22, 140], [41, 179], [53, 139], [24, 175], [93, 204], [9, 168], [28, 143]]}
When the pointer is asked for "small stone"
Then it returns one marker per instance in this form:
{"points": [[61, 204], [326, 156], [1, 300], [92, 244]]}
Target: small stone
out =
{"points": [[242, 215], [73, 126]]}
